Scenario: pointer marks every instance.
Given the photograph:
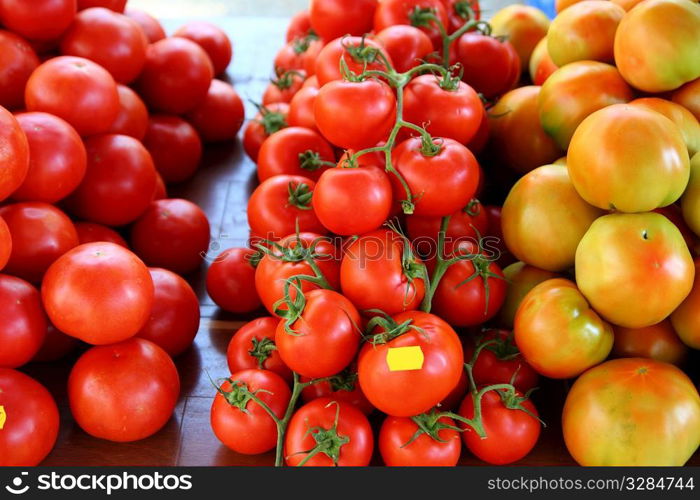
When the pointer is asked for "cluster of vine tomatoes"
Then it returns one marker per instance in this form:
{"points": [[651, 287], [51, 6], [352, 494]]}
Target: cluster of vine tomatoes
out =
{"points": [[99, 110]]}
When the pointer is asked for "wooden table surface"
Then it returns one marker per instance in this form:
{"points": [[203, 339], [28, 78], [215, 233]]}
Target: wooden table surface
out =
{"points": [[221, 187]]}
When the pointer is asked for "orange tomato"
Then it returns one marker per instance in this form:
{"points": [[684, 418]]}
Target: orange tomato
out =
{"points": [[686, 318], [684, 119], [541, 64], [521, 279], [659, 342], [688, 96], [523, 26], [560, 5]]}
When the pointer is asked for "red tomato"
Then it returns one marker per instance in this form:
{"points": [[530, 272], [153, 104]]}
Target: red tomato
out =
{"points": [[355, 115], [176, 76], [56, 345], [231, 281], [174, 145], [5, 243], [341, 387], [301, 108], [404, 392], [77, 90], [359, 53], [57, 159], [403, 444], [443, 176], [41, 233], [17, 61], [112, 312], [172, 233], [456, 395], [119, 183], [327, 421], [299, 26], [150, 25], [351, 201], [242, 424], [174, 318], [31, 424], [41, 20], [115, 5], [406, 45], [283, 88], [212, 39], [294, 151], [465, 224], [269, 120], [89, 232], [14, 154], [510, 433], [137, 407], [491, 66], [220, 116], [253, 347], [299, 54], [159, 192], [281, 205], [114, 41], [132, 119], [461, 11], [23, 322], [333, 18], [380, 271], [391, 12]]}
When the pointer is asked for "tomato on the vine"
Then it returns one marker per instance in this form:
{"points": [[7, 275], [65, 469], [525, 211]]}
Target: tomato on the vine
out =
{"points": [[491, 65], [333, 18], [341, 387], [253, 347], [357, 53], [403, 443], [406, 45], [294, 151], [284, 87], [411, 12], [269, 120]]}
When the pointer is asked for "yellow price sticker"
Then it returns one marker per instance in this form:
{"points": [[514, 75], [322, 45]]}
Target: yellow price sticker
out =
{"points": [[3, 417], [404, 358]]}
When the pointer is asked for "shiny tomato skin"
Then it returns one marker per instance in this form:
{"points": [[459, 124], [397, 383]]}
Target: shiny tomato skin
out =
{"points": [[231, 281], [298, 55], [41, 233], [647, 414], [98, 315], [174, 145], [89, 232], [40, 20], [14, 154], [301, 108], [405, 45], [659, 342], [238, 354], [76, 89], [280, 153], [174, 319], [212, 39], [404, 393], [135, 409], [176, 76], [465, 224], [327, 389], [523, 26], [392, 12], [132, 119], [541, 65], [321, 413], [112, 40], [220, 116], [17, 62], [115, 5], [491, 66], [327, 65], [685, 318], [256, 132], [277, 91], [32, 423], [333, 18], [682, 117], [521, 279], [23, 323], [150, 25], [424, 451], [299, 26], [5, 243], [688, 96]]}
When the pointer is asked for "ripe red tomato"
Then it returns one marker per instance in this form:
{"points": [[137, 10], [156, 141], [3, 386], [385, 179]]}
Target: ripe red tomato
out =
{"points": [[132, 119], [510, 433], [5, 243], [150, 25], [359, 53], [355, 115], [176, 76], [115, 5], [406, 45], [174, 145], [328, 421], [333, 18], [135, 408], [301, 108], [40, 234], [14, 154], [659, 342], [391, 12], [461, 11], [443, 176], [174, 318], [119, 183], [159, 192], [294, 151], [110, 313], [299, 55], [23, 322], [220, 116], [242, 424], [269, 120], [322, 338], [31, 424], [57, 160], [281, 205], [404, 392], [341, 387], [40, 20], [89, 232], [17, 61], [212, 39], [380, 271], [491, 66], [351, 201], [56, 345], [112, 40], [231, 281], [77, 90], [400, 447], [283, 88], [465, 224], [253, 347], [172, 233], [299, 26]]}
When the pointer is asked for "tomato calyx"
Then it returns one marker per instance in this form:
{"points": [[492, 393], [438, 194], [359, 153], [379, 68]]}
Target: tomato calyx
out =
{"points": [[464, 10], [301, 45], [344, 381], [271, 121], [502, 346], [429, 424], [473, 208], [285, 79], [391, 329], [262, 349], [430, 147], [299, 195], [311, 160], [362, 53], [482, 270], [240, 395], [412, 267], [513, 401], [422, 17], [328, 441]]}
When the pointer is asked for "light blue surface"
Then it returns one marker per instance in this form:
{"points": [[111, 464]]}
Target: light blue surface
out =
{"points": [[546, 6]]}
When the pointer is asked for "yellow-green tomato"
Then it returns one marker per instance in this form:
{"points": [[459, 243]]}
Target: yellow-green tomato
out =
{"points": [[523, 26], [521, 279], [632, 412], [628, 158], [657, 44], [686, 318], [584, 31], [543, 218], [683, 118], [557, 331], [690, 203], [634, 269], [688, 96]]}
